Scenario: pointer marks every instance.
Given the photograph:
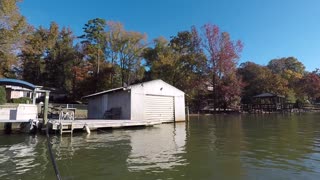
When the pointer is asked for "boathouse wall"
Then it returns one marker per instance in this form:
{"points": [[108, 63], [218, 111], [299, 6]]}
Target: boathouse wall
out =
{"points": [[152, 100], [120, 99], [97, 105], [144, 92]]}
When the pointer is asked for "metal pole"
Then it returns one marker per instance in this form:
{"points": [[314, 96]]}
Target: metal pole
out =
{"points": [[34, 97], [45, 111], [98, 60]]}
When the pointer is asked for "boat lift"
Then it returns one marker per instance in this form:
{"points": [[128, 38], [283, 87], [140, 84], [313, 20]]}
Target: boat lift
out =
{"points": [[24, 113]]}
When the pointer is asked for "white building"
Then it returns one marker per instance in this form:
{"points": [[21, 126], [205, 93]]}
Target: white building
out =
{"points": [[15, 92], [152, 100]]}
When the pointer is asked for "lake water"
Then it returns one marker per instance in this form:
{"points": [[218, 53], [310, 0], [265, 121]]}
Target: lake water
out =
{"points": [[208, 147]]}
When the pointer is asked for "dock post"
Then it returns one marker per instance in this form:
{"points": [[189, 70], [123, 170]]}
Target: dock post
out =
{"points": [[45, 112]]}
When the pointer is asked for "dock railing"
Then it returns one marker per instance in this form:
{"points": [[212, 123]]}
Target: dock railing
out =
{"points": [[66, 115], [259, 108], [80, 110]]}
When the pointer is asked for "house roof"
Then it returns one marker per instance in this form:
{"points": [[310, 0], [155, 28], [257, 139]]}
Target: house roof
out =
{"points": [[124, 88], [16, 82], [267, 95]]}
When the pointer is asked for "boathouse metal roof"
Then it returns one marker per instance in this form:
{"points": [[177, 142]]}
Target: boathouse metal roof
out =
{"points": [[103, 92], [126, 88], [16, 82]]}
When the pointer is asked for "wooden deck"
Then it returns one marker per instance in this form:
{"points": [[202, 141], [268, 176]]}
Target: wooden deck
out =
{"points": [[95, 124]]}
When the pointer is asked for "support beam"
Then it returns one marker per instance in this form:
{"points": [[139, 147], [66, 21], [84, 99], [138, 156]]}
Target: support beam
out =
{"points": [[34, 97], [46, 105]]}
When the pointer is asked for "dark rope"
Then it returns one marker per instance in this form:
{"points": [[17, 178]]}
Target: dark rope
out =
{"points": [[54, 163]]}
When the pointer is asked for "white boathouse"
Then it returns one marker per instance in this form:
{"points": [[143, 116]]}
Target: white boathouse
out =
{"points": [[152, 100]]}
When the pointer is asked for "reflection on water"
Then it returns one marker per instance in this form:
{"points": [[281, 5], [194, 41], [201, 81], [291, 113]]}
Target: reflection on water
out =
{"points": [[282, 147], [216, 147], [158, 150], [153, 149], [21, 157]]}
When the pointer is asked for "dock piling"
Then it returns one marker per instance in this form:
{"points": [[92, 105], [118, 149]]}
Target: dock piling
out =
{"points": [[46, 105]]}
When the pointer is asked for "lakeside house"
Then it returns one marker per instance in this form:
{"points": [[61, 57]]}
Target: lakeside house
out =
{"points": [[15, 92], [152, 100]]}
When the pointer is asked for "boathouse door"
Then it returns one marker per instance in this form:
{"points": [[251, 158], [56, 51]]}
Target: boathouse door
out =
{"points": [[159, 108]]}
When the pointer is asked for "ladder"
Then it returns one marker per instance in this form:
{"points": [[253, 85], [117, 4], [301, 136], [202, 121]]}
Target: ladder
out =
{"points": [[66, 122], [66, 127]]}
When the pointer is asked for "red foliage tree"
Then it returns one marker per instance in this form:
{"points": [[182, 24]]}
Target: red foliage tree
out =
{"points": [[310, 86], [222, 54]]}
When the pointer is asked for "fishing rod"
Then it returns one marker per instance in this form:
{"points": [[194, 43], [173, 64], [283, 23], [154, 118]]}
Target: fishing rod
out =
{"points": [[53, 161]]}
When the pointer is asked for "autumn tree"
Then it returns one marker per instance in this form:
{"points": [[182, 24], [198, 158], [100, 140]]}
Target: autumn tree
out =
{"points": [[125, 49], [259, 79], [32, 57], [59, 61], [49, 58], [81, 74], [190, 67], [310, 86], [282, 65], [159, 60], [180, 62], [114, 51], [222, 55], [113, 34], [13, 27], [94, 46], [292, 70]]}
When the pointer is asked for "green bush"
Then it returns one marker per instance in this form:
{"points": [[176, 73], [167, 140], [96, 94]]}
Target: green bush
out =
{"points": [[3, 98], [22, 100]]}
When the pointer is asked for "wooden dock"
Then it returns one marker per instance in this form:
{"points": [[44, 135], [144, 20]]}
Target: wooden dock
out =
{"points": [[67, 126]]}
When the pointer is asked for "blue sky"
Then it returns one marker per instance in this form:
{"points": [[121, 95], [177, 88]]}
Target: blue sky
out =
{"points": [[269, 29]]}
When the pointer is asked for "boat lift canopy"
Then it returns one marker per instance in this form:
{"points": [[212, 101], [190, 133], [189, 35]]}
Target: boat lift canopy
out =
{"points": [[16, 82], [23, 84]]}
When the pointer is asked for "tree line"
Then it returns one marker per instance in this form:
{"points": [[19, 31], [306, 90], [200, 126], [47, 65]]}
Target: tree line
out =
{"points": [[203, 62]]}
